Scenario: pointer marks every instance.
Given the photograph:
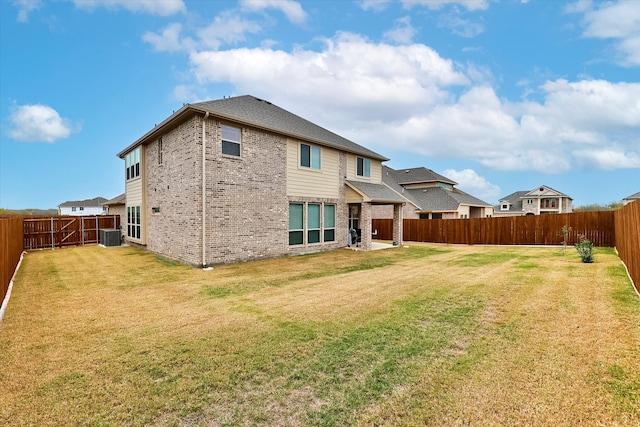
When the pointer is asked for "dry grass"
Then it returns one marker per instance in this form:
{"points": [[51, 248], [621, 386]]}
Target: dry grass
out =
{"points": [[429, 335]]}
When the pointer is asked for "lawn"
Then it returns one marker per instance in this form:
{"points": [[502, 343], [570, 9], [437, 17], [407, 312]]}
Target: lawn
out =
{"points": [[425, 335]]}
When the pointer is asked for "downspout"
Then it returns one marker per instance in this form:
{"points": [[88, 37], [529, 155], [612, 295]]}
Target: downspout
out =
{"points": [[204, 193]]}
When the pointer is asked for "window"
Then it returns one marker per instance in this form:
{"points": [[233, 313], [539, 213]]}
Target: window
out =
{"points": [[529, 201], [363, 167], [309, 156], [132, 164], [81, 208], [155, 210], [329, 223], [296, 224], [73, 209], [445, 185], [133, 222], [504, 207], [305, 225], [313, 223], [436, 215], [231, 141], [160, 151], [549, 203], [105, 209]]}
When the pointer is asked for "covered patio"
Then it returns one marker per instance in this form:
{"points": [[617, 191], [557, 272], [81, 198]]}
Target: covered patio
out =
{"points": [[360, 196]]}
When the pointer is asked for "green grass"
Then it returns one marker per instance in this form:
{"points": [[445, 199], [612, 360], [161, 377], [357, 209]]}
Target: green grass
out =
{"points": [[406, 336]]}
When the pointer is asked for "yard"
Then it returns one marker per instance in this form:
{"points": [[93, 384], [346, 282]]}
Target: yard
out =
{"points": [[425, 335]]}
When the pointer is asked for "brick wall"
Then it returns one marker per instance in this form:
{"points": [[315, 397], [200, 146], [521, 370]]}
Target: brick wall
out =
{"points": [[173, 187], [247, 212]]}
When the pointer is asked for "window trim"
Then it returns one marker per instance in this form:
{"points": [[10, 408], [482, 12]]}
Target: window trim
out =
{"points": [[315, 156], [134, 222], [230, 142], [132, 164], [363, 167], [307, 228]]}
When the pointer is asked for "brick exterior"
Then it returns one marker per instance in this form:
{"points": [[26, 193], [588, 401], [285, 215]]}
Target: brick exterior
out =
{"points": [[247, 206], [246, 203]]}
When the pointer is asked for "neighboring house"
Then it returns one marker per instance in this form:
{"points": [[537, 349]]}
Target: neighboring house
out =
{"points": [[116, 206], [631, 198], [430, 195], [83, 207], [539, 201], [240, 178]]}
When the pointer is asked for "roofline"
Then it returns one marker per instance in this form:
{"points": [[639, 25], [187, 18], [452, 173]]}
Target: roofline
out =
{"points": [[187, 109]]}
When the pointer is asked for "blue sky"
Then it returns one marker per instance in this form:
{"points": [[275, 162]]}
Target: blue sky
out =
{"points": [[498, 95]]}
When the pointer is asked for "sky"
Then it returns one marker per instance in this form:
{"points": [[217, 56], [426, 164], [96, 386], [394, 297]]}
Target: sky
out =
{"points": [[498, 95]]}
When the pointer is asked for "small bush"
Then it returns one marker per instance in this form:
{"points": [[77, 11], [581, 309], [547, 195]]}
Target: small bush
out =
{"points": [[585, 249]]}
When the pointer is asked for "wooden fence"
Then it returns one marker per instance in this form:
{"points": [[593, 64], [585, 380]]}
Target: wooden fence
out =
{"points": [[627, 221], [11, 248], [62, 231], [521, 230], [18, 233]]}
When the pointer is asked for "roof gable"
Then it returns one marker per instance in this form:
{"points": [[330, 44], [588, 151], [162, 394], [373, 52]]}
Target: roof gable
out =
{"points": [[251, 111]]}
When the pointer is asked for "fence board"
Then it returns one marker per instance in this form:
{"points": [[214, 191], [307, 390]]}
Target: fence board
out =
{"points": [[627, 225], [11, 248], [599, 227], [51, 232]]}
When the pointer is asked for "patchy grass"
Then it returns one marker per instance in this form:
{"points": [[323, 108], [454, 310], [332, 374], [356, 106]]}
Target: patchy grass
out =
{"points": [[425, 335]]}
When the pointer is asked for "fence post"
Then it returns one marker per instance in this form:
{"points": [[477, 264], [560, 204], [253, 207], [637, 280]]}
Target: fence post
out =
{"points": [[53, 239]]}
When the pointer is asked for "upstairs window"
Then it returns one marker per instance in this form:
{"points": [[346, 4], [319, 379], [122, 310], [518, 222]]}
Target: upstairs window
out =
{"points": [[231, 140], [309, 156], [504, 207], [160, 151], [363, 167], [132, 164]]}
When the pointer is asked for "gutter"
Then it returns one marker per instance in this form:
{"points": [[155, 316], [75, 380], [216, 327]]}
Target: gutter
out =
{"points": [[204, 193]]}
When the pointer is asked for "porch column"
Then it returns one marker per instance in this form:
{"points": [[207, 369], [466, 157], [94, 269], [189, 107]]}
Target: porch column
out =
{"points": [[365, 226], [397, 224]]}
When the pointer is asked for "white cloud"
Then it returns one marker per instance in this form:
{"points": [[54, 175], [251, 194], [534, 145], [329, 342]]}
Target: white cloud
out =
{"points": [[226, 28], [438, 4], [168, 40], [408, 98], [154, 7], [403, 32], [470, 182], [39, 123], [25, 7], [290, 8], [614, 20], [375, 5], [461, 27]]}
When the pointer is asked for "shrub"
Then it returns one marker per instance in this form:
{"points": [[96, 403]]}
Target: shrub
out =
{"points": [[585, 249]]}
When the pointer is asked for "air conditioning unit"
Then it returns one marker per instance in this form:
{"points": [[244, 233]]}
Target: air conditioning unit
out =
{"points": [[109, 237]]}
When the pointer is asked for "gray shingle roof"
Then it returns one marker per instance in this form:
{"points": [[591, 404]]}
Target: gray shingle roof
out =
{"points": [[379, 193], [416, 175], [431, 198], [118, 200], [95, 202], [515, 199], [441, 199], [263, 114], [633, 196]]}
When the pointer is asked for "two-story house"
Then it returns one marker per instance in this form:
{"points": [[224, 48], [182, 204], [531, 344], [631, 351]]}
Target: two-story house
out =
{"points": [[240, 178], [541, 200], [83, 207], [430, 195]]}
